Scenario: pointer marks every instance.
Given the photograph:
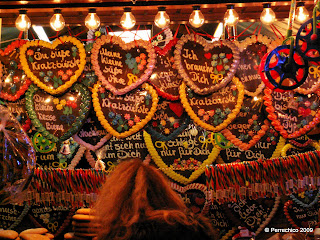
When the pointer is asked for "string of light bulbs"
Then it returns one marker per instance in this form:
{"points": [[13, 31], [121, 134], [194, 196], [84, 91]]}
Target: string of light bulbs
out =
{"points": [[162, 19]]}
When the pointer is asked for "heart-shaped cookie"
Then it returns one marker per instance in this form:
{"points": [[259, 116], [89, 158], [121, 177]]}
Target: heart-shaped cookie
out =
{"points": [[292, 114], [217, 110], [205, 67], [14, 80], [12, 215], [127, 114], [168, 121], [249, 126], [219, 219], [53, 67], [194, 195], [58, 118], [184, 158], [121, 66], [165, 78]]}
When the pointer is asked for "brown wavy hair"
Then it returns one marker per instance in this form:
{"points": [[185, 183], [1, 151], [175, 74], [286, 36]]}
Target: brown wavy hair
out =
{"points": [[136, 192]]}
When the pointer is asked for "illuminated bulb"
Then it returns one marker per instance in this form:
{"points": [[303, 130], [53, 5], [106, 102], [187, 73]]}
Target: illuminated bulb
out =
{"points": [[162, 19], [231, 17], [92, 20], [23, 22], [302, 14], [127, 20], [196, 18], [57, 22], [267, 16]]}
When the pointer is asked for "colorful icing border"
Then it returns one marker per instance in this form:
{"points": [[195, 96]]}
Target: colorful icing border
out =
{"points": [[276, 123], [84, 109], [171, 173], [284, 150], [207, 126], [74, 162], [88, 145], [104, 122], [58, 41], [207, 47], [126, 46]]}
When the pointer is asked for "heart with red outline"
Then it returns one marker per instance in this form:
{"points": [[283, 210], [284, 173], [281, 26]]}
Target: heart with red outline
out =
{"points": [[205, 67], [249, 126], [165, 77], [292, 114], [14, 80], [301, 217], [122, 67], [54, 218]]}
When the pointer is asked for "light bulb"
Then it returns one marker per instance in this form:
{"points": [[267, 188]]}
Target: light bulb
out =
{"points": [[23, 22], [162, 19], [302, 14], [267, 16], [92, 20], [57, 22], [196, 18], [231, 17], [127, 20]]}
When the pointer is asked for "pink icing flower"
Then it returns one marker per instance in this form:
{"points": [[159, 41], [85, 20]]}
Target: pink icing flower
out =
{"points": [[65, 77], [143, 62], [130, 123], [140, 67], [127, 116], [136, 119], [250, 121], [69, 72], [201, 112], [255, 117], [307, 104], [206, 117], [138, 59], [60, 72], [211, 113], [176, 125], [143, 56], [30, 52], [102, 90]]}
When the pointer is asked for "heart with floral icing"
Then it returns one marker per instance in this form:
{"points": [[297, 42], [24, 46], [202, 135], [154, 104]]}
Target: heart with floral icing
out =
{"points": [[53, 67], [185, 157], [14, 80], [124, 115], [194, 195], [165, 78], [121, 66], [205, 67], [57, 118], [249, 126], [214, 111], [168, 121], [54, 218], [292, 114]]}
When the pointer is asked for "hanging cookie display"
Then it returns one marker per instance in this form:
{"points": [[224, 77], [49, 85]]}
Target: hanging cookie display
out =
{"points": [[14, 80], [57, 118], [124, 115], [53, 67], [165, 78], [121, 66]]}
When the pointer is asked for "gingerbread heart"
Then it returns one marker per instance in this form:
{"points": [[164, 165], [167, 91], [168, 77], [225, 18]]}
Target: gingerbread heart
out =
{"points": [[12, 215], [218, 218], [168, 121], [165, 78], [292, 114], [54, 218], [249, 126], [14, 80], [122, 66], [53, 67], [185, 157], [205, 67], [194, 195], [58, 118], [127, 114], [215, 111]]}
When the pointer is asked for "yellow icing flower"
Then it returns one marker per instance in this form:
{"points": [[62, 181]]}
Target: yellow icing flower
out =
{"points": [[172, 119], [166, 131], [56, 101], [163, 122], [59, 107], [63, 102]]}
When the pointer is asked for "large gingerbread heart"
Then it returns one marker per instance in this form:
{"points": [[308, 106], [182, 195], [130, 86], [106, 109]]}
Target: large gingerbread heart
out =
{"points": [[168, 121], [14, 80], [165, 77], [122, 66], [185, 157], [205, 67], [58, 118], [53, 67], [249, 126], [127, 114], [217, 110], [194, 195], [292, 114]]}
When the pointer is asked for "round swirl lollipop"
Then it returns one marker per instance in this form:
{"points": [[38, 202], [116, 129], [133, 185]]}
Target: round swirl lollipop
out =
{"points": [[17, 158]]}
